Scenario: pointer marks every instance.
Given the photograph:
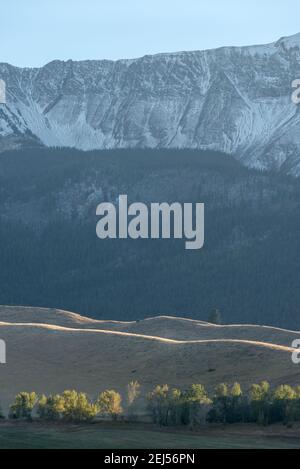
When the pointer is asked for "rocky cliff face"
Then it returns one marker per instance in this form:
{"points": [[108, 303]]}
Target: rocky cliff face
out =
{"points": [[237, 100]]}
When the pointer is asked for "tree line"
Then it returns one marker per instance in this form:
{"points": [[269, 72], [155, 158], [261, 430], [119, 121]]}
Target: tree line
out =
{"points": [[226, 405], [167, 406]]}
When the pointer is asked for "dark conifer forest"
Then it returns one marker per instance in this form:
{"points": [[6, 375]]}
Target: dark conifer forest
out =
{"points": [[249, 268]]}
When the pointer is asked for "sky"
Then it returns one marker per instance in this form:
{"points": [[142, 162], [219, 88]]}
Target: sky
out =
{"points": [[35, 32]]}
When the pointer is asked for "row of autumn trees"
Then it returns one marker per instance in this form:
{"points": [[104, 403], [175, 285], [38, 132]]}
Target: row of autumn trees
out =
{"points": [[73, 406], [168, 407], [227, 405], [70, 406]]}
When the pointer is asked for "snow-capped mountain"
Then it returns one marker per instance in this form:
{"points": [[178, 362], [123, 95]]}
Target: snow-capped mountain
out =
{"points": [[233, 99]]}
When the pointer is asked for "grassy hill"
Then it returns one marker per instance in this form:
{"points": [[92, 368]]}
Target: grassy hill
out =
{"points": [[49, 351]]}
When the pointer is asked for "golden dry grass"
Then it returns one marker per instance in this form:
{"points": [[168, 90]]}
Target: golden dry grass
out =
{"points": [[49, 351]]}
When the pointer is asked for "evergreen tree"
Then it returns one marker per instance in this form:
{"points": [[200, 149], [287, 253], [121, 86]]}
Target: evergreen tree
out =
{"points": [[215, 317]]}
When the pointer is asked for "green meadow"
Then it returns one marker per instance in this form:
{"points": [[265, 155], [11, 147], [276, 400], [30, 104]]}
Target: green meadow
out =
{"points": [[126, 436]]}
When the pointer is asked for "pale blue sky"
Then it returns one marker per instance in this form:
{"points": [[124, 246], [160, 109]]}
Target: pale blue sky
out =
{"points": [[34, 32]]}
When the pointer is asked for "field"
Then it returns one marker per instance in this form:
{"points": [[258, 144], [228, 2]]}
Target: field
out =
{"points": [[49, 351], [125, 436]]}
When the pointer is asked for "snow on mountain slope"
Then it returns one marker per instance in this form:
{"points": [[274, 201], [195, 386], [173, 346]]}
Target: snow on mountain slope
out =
{"points": [[237, 100]]}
